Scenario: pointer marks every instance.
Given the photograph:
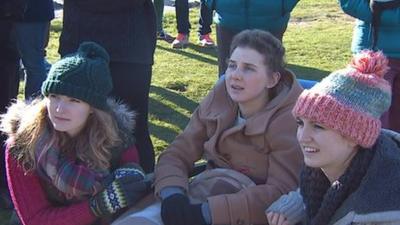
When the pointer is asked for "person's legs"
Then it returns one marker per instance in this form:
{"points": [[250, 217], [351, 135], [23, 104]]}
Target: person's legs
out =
{"points": [[132, 85], [32, 54], [182, 22], [391, 118], [182, 16], [159, 8], [161, 34], [205, 21], [9, 80], [224, 40]]}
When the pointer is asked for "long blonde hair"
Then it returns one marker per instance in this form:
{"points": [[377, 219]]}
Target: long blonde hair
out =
{"points": [[93, 144]]}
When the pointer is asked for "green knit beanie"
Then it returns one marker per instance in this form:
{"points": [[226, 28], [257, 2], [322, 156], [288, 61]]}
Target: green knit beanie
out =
{"points": [[84, 75]]}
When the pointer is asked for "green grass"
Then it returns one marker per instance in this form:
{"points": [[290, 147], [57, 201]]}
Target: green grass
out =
{"points": [[317, 42]]}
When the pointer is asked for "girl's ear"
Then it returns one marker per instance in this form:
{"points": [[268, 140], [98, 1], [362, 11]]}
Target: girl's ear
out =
{"points": [[273, 80]]}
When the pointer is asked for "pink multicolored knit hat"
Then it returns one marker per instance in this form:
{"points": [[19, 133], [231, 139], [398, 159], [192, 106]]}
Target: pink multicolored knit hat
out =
{"points": [[350, 100]]}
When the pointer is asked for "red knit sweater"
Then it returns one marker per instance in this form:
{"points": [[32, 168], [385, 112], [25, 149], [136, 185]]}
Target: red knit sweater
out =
{"points": [[30, 199]]}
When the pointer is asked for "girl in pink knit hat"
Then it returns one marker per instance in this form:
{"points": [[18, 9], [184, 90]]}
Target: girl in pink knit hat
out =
{"points": [[351, 165]]}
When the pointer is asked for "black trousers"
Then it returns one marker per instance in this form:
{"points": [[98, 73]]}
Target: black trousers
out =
{"points": [[132, 85]]}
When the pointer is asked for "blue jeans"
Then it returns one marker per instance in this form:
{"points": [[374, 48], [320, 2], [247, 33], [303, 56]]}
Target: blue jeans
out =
{"points": [[31, 38], [182, 17]]}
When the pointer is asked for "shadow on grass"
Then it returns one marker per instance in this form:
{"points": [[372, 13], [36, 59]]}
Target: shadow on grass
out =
{"points": [[163, 133], [308, 73], [171, 96], [211, 51], [167, 114], [191, 55]]}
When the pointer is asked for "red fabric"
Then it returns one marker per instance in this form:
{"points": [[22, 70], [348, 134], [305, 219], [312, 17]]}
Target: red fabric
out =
{"points": [[30, 200], [130, 155]]}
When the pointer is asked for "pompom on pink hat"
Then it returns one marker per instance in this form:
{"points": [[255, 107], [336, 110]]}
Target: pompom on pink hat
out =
{"points": [[350, 100]]}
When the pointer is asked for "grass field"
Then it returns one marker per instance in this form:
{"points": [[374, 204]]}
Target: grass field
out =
{"points": [[317, 41]]}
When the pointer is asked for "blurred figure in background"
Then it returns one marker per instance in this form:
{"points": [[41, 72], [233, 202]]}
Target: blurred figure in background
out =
{"points": [[31, 31], [233, 16], [378, 28], [183, 25], [127, 30], [161, 33], [10, 10]]}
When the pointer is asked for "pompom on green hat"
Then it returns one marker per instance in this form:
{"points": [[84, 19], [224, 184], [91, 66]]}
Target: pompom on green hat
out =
{"points": [[84, 75]]}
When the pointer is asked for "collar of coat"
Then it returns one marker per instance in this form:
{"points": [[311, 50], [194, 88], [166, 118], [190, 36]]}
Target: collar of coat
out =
{"points": [[17, 115], [377, 199]]}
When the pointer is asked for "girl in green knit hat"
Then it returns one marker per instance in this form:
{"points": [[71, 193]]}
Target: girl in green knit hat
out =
{"points": [[70, 156]]}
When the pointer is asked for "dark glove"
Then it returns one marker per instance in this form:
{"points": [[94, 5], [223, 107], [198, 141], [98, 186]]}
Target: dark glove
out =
{"points": [[177, 210], [130, 169], [122, 192]]}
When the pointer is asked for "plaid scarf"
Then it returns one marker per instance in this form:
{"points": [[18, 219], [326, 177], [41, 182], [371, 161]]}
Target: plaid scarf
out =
{"points": [[71, 177]]}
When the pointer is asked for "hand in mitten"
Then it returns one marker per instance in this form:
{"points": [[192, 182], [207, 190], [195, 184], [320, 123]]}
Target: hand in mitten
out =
{"points": [[288, 209], [130, 169], [177, 210], [122, 192]]}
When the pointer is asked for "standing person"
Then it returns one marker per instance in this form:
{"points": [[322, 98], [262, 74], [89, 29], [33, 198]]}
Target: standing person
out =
{"points": [[70, 157], [352, 167], [127, 30], [378, 28], [243, 124], [9, 79], [183, 25], [233, 16], [31, 33], [161, 33]]}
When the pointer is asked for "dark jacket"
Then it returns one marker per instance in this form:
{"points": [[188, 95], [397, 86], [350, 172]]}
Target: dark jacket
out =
{"points": [[388, 33], [237, 15], [125, 28], [27, 10], [38, 11], [376, 200]]}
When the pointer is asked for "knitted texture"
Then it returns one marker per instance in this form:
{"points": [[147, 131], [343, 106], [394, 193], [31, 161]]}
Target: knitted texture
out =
{"points": [[350, 100], [84, 75], [321, 200], [291, 205], [122, 192]]}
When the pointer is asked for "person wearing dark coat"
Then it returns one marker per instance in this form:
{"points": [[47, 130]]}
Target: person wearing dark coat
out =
{"points": [[9, 67], [34, 22], [127, 30]]}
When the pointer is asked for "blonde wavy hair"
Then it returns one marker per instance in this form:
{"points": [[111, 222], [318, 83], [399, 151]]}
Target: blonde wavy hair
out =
{"points": [[93, 144]]}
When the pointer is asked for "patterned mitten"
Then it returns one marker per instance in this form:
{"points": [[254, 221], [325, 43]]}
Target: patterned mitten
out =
{"points": [[122, 192], [129, 169]]}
